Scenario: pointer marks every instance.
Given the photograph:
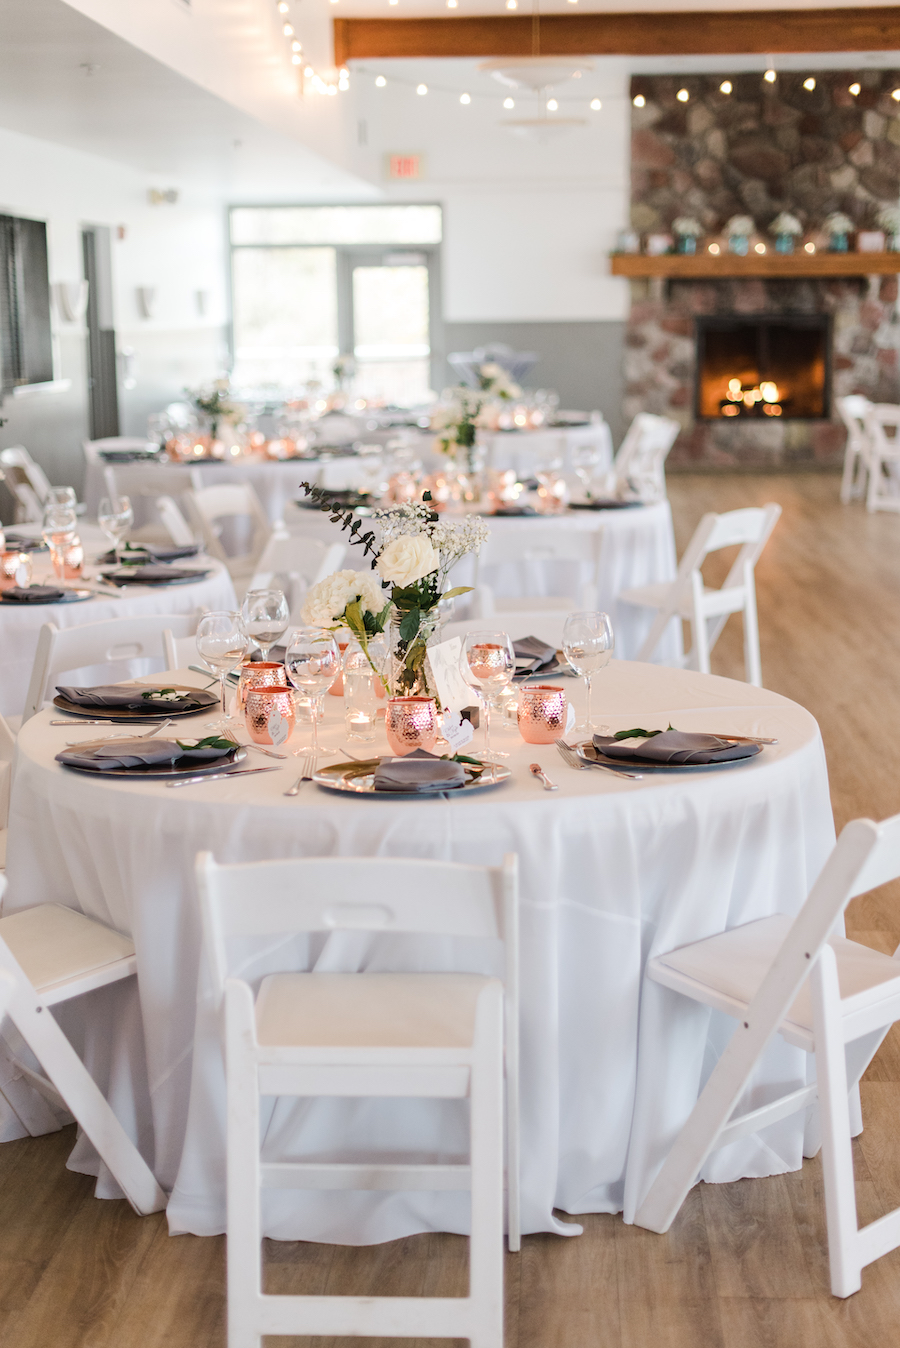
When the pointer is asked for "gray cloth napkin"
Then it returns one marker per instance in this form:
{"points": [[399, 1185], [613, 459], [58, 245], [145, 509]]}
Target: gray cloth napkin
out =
{"points": [[154, 573], [143, 554], [419, 772], [132, 699], [33, 594], [137, 753], [676, 746], [535, 651]]}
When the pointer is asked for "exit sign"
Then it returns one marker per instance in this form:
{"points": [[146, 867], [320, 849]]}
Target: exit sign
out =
{"points": [[405, 166]]}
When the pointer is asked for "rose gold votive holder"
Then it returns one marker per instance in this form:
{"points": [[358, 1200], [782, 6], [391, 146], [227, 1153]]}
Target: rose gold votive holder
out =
{"points": [[411, 723], [261, 674], [262, 704], [11, 565], [542, 713]]}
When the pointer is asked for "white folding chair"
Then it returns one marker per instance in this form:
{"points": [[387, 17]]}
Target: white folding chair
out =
{"points": [[884, 456], [145, 484], [823, 993], [108, 642], [27, 482], [852, 412], [292, 563], [51, 954], [7, 754], [174, 523], [639, 466], [547, 544], [231, 506], [417, 1035], [708, 610]]}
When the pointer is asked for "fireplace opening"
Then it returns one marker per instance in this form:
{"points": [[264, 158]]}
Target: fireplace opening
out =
{"points": [[764, 367]]}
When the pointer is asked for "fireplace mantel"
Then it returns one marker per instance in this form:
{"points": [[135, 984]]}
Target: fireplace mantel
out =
{"points": [[706, 266]]}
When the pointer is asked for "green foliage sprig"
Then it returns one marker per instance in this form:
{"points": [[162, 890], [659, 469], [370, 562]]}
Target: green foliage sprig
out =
{"points": [[340, 515]]}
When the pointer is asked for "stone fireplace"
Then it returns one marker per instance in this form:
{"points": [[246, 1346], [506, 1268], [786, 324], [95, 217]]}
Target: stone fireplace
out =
{"points": [[758, 151]]}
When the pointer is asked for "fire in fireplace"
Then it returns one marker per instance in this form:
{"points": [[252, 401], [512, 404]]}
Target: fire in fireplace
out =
{"points": [[764, 367]]}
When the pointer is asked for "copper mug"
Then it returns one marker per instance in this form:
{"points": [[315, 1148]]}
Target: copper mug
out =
{"points": [[259, 674], [269, 714], [542, 713], [411, 723]]}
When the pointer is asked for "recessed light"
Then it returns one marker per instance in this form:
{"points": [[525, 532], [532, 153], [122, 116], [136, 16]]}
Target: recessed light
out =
{"points": [[380, 82], [809, 84], [596, 105], [465, 98], [421, 88], [726, 87], [509, 102], [770, 77], [855, 89], [639, 100], [682, 95], [552, 105]]}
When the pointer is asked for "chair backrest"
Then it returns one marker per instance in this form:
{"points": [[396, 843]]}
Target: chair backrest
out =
{"points": [[578, 549], [149, 480], [130, 443], [101, 643], [181, 651], [878, 419], [640, 462], [852, 411], [750, 527], [7, 755], [292, 563], [377, 895], [174, 523], [27, 481], [209, 511]]}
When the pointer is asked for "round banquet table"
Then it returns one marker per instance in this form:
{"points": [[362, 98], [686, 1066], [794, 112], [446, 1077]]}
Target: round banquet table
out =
{"points": [[638, 548], [20, 624], [612, 871]]}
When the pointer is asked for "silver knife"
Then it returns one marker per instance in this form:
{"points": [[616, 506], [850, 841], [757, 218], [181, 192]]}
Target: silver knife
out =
{"points": [[217, 776], [75, 724]]}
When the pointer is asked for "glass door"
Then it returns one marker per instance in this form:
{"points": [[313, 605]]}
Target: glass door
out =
{"points": [[391, 313]]}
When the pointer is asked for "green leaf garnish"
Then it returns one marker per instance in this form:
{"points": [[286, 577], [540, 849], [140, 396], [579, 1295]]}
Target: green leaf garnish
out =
{"points": [[637, 734], [211, 742]]}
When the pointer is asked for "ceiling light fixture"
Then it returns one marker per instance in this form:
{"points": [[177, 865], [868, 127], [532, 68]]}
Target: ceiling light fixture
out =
{"points": [[855, 89], [639, 101], [552, 105], [596, 105], [726, 87], [380, 82], [809, 84], [421, 88], [770, 76], [509, 102], [682, 95], [465, 98], [535, 72]]}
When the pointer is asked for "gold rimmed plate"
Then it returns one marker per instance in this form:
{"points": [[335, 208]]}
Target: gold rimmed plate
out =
{"points": [[191, 767], [157, 709], [358, 778], [589, 754]]}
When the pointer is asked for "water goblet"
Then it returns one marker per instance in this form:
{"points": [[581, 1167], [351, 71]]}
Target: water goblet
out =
{"points": [[115, 517], [221, 645], [58, 532], [588, 644], [311, 662], [490, 660], [264, 617], [63, 496]]}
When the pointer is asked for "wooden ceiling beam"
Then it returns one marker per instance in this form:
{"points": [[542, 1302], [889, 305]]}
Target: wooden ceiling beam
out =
{"points": [[701, 33]]}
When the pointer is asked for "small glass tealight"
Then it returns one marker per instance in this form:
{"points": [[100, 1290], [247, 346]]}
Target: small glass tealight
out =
{"points": [[360, 697]]}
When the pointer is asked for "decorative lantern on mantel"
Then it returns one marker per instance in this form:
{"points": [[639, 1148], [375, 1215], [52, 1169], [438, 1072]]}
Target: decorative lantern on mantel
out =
{"points": [[838, 227], [739, 231], [786, 228], [687, 231], [889, 220]]}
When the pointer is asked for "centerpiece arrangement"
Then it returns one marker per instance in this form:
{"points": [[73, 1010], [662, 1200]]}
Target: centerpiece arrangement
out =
{"points": [[214, 405], [462, 410], [417, 550]]}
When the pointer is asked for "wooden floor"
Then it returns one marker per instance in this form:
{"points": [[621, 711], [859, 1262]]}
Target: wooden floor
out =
{"points": [[744, 1266]]}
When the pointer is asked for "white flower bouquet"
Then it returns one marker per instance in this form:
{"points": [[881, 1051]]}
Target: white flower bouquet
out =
{"points": [[496, 382]]}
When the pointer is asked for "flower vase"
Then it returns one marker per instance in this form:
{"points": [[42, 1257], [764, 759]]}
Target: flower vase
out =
{"points": [[738, 244], [686, 244], [784, 243], [410, 670], [893, 243], [470, 473], [839, 243]]}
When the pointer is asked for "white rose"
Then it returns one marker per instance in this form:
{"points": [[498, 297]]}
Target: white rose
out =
{"points": [[407, 558], [367, 588]]}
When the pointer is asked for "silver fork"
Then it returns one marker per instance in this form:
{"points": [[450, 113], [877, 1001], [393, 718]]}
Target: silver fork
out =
{"points": [[570, 757], [147, 735], [307, 768], [260, 749]]}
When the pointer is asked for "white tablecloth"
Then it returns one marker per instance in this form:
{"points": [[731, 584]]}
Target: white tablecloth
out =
{"points": [[20, 624], [275, 483], [529, 451], [638, 549], [611, 871]]}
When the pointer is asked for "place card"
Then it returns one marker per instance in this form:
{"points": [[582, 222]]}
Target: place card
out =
{"points": [[457, 732], [452, 688]]}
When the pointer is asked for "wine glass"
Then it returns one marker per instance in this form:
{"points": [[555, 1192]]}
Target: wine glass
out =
{"points": [[115, 517], [62, 496], [585, 460], [490, 660], [264, 617], [588, 644], [311, 662], [221, 645], [58, 532]]}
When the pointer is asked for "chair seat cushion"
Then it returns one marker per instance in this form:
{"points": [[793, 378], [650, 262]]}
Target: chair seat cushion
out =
{"points": [[54, 944], [735, 962], [383, 1010]]}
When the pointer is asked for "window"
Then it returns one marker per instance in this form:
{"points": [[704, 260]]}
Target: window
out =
{"points": [[26, 351], [311, 283]]}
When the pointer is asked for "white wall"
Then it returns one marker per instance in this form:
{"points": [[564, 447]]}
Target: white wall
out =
{"points": [[177, 249]]}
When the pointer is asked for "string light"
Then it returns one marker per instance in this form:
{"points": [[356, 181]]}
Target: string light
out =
{"points": [[421, 88], [809, 84], [509, 102], [296, 46], [309, 72], [596, 105], [288, 30], [682, 95], [726, 87], [452, 4], [639, 101], [855, 89], [770, 76], [283, 7], [465, 98], [552, 105], [296, 59], [380, 82], [512, 4]]}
